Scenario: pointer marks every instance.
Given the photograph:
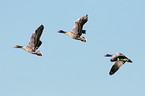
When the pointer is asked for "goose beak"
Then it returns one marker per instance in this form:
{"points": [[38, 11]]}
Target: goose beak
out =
{"points": [[14, 46]]}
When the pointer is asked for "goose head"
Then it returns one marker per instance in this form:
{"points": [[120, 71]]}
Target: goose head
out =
{"points": [[61, 31], [108, 55], [17, 46]]}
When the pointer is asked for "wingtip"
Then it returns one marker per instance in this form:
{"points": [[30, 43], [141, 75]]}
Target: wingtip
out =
{"points": [[41, 26], [111, 73]]}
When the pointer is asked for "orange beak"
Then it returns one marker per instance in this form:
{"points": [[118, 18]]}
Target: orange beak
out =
{"points": [[15, 47], [58, 31], [104, 55]]}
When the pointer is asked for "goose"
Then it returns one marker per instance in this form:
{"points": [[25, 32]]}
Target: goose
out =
{"points": [[34, 42], [77, 29], [119, 59], [115, 56]]}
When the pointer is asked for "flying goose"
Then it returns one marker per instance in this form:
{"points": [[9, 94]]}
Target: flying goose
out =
{"points": [[115, 56], [119, 59], [34, 42], [77, 29]]}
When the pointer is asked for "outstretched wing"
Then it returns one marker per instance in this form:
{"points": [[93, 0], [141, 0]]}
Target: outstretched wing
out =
{"points": [[35, 42], [78, 25], [117, 64]]}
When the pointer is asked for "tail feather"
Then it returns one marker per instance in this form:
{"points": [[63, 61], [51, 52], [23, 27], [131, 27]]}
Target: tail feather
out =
{"points": [[84, 31], [128, 60]]}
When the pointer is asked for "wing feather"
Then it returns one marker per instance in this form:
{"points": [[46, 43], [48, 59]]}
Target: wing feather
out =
{"points": [[78, 25], [35, 42], [117, 64]]}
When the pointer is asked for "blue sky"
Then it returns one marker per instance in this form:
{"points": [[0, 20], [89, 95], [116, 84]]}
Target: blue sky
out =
{"points": [[69, 67]]}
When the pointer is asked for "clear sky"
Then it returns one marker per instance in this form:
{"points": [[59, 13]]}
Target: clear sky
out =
{"points": [[69, 67]]}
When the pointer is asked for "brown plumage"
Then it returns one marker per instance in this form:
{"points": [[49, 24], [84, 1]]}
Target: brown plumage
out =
{"points": [[77, 29], [119, 59], [34, 42]]}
